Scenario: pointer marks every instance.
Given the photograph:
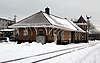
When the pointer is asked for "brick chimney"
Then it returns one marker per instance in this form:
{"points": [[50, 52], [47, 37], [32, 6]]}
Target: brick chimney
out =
{"points": [[47, 10]]}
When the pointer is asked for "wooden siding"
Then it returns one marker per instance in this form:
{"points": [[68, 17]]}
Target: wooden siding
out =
{"points": [[67, 36], [31, 34]]}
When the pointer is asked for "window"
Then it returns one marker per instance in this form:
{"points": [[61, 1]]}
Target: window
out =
{"points": [[25, 32], [17, 32], [40, 32]]}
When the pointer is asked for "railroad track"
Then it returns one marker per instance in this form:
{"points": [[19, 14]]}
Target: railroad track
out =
{"points": [[51, 54]]}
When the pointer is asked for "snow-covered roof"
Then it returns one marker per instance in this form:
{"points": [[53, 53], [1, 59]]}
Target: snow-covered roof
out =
{"points": [[4, 30], [81, 20], [59, 21], [77, 27], [6, 18], [41, 19]]}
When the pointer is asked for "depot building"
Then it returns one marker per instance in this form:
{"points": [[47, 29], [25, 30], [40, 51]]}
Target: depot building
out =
{"points": [[44, 27]]}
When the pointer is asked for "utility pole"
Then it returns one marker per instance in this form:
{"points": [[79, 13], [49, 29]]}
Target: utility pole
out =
{"points": [[14, 19], [87, 31]]}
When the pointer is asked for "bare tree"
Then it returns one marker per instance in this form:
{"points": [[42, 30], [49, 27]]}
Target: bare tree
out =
{"points": [[92, 28]]}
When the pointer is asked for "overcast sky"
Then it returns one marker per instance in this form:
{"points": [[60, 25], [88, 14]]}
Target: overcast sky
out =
{"points": [[63, 8]]}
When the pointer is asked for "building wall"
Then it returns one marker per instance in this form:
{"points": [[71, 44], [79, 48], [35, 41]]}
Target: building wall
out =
{"points": [[31, 36], [49, 35], [63, 37], [67, 35], [19, 34], [83, 36], [77, 36]]}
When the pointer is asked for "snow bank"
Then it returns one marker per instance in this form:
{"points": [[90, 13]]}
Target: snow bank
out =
{"points": [[12, 50]]}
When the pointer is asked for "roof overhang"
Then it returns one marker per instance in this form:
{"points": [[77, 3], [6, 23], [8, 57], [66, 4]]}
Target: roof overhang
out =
{"points": [[37, 26], [81, 23], [6, 30], [45, 26]]}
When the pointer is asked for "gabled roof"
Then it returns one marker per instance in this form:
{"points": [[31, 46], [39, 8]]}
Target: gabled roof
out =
{"points": [[35, 18], [41, 19], [81, 20]]}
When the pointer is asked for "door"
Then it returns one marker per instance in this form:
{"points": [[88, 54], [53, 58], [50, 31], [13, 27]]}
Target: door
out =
{"points": [[40, 39]]}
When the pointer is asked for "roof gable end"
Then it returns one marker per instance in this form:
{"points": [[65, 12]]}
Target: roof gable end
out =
{"points": [[81, 20]]}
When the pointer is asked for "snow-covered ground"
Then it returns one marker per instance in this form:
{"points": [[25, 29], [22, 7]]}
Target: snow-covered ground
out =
{"points": [[11, 51]]}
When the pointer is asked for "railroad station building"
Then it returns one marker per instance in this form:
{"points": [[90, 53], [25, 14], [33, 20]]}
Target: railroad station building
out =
{"points": [[44, 27]]}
